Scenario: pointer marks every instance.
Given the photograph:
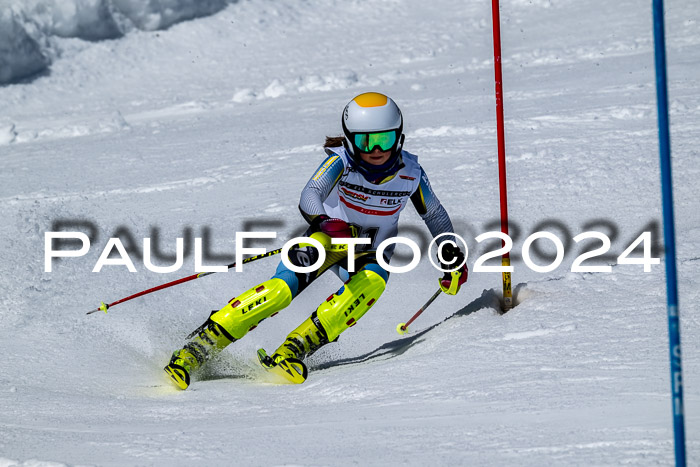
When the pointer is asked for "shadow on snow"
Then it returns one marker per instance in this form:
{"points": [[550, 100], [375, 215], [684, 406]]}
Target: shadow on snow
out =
{"points": [[488, 299]]}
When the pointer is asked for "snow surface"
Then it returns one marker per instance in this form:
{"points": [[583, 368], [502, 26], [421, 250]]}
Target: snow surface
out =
{"points": [[217, 123], [29, 29]]}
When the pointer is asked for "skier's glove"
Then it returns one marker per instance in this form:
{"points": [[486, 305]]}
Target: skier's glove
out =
{"points": [[450, 282], [334, 228]]}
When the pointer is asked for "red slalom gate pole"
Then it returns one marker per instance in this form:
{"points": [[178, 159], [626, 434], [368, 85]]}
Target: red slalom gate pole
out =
{"points": [[500, 131]]}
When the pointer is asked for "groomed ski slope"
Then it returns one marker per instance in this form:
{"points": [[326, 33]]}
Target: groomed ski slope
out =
{"points": [[216, 123]]}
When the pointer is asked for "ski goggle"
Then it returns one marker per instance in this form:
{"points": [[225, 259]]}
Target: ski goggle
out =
{"points": [[367, 142]]}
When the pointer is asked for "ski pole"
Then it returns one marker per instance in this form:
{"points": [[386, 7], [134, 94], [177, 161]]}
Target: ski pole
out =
{"points": [[104, 306], [402, 328]]}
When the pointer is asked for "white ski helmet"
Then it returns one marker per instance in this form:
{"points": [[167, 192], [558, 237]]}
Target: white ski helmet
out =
{"points": [[373, 120]]}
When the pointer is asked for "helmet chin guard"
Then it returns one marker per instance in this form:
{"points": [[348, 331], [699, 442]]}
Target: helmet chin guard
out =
{"points": [[370, 117]]}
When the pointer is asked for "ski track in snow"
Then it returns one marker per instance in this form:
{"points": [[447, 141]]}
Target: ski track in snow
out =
{"points": [[217, 123]]}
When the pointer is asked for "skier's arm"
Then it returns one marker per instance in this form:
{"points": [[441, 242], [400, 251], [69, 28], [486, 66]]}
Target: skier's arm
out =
{"points": [[431, 210], [319, 187], [438, 222]]}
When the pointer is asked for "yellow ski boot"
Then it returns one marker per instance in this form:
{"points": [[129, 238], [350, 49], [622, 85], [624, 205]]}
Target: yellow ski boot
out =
{"points": [[207, 340], [241, 315], [339, 312], [302, 342]]}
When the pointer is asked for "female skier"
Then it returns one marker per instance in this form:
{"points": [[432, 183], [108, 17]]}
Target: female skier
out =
{"points": [[358, 191]]}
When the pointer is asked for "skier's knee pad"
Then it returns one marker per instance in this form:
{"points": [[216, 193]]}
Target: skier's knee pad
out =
{"points": [[345, 307], [245, 312]]}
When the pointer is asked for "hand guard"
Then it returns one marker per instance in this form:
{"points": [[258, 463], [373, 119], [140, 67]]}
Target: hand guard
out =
{"points": [[450, 282], [334, 228]]}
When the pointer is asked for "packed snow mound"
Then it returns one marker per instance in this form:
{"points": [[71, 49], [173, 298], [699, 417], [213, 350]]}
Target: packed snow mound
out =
{"points": [[20, 53], [28, 27], [159, 14]]}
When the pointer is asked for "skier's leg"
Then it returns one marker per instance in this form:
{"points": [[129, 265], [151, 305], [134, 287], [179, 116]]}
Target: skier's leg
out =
{"points": [[243, 313], [339, 312]]}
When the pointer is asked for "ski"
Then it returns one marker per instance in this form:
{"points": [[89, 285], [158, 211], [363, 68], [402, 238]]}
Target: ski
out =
{"points": [[290, 370]]}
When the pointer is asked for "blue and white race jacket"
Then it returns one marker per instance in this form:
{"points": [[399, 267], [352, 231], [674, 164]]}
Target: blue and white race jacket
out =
{"points": [[338, 190]]}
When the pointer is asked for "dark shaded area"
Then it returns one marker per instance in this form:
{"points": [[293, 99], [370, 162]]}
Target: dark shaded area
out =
{"points": [[31, 77]]}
